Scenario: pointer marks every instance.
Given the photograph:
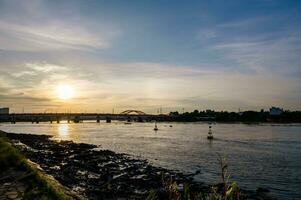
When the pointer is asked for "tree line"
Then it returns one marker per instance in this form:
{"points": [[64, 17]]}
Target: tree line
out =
{"points": [[246, 116]]}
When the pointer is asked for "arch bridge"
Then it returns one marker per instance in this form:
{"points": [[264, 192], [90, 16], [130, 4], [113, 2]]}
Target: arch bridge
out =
{"points": [[128, 112]]}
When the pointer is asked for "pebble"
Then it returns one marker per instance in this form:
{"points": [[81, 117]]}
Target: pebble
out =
{"points": [[11, 194]]}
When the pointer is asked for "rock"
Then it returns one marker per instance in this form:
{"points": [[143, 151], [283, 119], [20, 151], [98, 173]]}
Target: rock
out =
{"points": [[11, 195], [6, 184]]}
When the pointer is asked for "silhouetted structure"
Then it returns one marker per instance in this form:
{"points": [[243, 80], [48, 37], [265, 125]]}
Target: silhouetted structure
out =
{"points": [[4, 111]]}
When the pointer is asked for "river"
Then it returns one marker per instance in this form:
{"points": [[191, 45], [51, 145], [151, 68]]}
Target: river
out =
{"points": [[258, 155]]}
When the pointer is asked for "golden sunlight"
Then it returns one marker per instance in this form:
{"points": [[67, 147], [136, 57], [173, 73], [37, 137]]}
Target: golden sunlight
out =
{"points": [[65, 92]]}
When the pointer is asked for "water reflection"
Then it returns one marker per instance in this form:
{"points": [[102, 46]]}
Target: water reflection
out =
{"points": [[63, 131], [210, 143]]}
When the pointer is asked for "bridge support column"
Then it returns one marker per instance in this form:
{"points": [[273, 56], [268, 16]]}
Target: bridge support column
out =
{"points": [[13, 120], [140, 119], [76, 119], [108, 120], [97, 119]]}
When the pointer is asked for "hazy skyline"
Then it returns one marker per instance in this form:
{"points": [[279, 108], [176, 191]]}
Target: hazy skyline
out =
{"points": [[150, 54]]}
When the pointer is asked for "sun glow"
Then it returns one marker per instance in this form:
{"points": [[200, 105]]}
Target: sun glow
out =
{"points": [[65, 92]]}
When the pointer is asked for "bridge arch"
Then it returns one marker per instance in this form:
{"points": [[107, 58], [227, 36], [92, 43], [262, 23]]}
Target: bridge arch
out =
{"points": [[128, 112]]}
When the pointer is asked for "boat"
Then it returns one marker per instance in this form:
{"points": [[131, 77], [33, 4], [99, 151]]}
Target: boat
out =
{"points": [[210, 136]]}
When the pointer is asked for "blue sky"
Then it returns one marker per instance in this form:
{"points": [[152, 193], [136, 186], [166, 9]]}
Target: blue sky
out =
{"points": [[221, 55]]}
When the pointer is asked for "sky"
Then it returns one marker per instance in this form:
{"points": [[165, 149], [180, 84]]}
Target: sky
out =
{"points": [[143, 55]]}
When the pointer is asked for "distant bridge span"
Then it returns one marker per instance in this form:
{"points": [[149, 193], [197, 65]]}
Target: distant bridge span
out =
{"points": [[127, 112], [79, 117]]}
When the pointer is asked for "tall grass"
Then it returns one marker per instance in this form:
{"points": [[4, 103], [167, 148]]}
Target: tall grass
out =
{"points": [[230, 191]]}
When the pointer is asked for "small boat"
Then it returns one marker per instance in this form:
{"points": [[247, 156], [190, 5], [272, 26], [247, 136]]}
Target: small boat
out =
{"points": [[156, 127], [210, 136], [127, 123]]}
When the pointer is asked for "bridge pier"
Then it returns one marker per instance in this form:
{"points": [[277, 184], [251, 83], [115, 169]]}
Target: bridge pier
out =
{"points": [[140, 119], [13, 120], [98, 119], [76, 119], [108, 119]]}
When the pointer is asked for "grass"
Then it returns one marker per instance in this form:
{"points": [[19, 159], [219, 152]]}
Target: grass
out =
{"points": [[230, 190], [39, 185]]}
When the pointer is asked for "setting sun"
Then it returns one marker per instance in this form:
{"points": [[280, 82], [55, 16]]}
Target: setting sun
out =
{"points": [[65, 92]]}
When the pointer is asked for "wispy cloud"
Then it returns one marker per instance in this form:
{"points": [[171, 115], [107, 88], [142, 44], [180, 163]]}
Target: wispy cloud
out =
{"points": [[279, 54], [249, 44], [51, 36], [36, 27], [45, 67]]}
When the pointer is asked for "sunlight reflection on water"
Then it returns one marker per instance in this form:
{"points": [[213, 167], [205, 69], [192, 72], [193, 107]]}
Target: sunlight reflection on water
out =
{"points": [[63, 131]]}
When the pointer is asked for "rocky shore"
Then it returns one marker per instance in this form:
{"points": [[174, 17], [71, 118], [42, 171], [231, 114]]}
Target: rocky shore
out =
{"points": [[94, 173]]}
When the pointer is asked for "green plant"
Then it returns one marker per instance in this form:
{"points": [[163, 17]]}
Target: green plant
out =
{"points": [[230, 191], [171, 188], [152, 195], [186, 193]]}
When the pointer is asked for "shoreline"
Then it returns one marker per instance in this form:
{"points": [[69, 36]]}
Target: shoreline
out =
{"points": [[104, 174]]}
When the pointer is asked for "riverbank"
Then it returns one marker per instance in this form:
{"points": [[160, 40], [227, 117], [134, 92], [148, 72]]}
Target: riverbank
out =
{"points": [[101, 174], [21, 179]]}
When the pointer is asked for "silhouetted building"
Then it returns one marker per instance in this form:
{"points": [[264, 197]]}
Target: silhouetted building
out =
{"points": [[4, 111], [276, 111]]}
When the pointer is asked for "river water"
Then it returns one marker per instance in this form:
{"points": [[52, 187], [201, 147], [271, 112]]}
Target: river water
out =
{"points": [[258, 155]]}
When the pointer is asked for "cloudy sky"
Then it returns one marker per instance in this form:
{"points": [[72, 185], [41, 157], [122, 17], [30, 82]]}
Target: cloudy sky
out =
{"points": [[144, 55]]}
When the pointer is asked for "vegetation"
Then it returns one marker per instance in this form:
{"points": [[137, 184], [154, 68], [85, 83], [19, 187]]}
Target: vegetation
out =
{"points": [[229, 191], [39, 185], [247, 116]]}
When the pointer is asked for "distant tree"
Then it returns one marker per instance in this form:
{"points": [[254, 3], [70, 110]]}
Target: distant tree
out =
{"points": [[195, 112]]}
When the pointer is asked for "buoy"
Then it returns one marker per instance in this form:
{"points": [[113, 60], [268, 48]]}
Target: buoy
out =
{"points": [[210, 136]]}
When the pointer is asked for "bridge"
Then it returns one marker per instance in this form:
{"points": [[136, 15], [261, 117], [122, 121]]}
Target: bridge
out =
{"points": [[127, 115], [127, 112]]}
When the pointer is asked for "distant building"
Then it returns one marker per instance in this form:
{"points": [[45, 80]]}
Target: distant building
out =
{"points": [[4, 111], [276, 111]]}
